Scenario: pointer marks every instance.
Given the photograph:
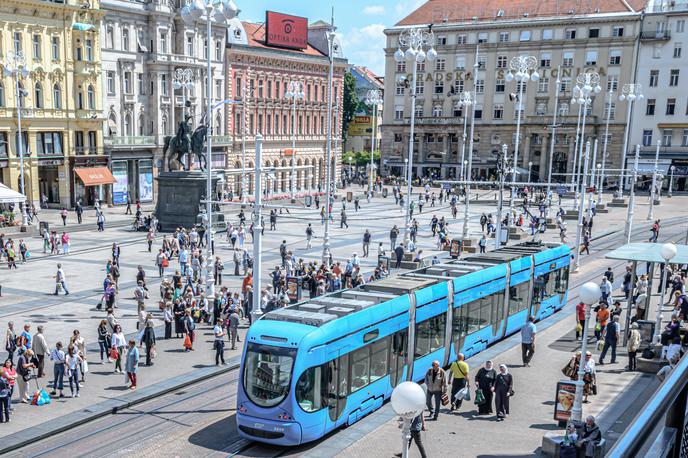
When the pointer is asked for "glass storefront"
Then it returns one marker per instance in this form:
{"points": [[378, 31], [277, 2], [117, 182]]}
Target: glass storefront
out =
{"points": [[120, 189]]}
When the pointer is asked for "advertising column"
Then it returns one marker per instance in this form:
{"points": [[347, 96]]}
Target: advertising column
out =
{"points": [[146, 180], [120, 189]]}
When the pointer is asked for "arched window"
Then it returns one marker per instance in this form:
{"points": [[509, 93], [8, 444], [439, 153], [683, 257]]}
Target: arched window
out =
{"points": [[38, 95], [91, 98], [57, 97], [127, 125]]}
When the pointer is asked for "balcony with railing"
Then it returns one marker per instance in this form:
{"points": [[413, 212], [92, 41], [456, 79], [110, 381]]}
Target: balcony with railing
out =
{"points": [[655, 35], [129, 141]]}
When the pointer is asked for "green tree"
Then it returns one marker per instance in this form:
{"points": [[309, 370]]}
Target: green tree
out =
{"points": [[350, 102]]}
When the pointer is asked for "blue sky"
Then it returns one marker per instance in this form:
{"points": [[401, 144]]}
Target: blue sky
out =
{"points": [[360, 23]]}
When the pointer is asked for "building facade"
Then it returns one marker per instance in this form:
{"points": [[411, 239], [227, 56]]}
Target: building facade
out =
{"points": [[359, 135], [147, 48], [61, 104], [662, 116], [475, 47], [258, 78]]}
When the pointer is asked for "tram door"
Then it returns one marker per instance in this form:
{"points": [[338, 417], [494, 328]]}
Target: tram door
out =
{"points": [[397, 357], [337, 374], [459, 327]]}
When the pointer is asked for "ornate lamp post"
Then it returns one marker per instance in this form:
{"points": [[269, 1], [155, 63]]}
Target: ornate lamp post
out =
{"points": [[653, 192], [414, 40], [630, 92], [329, 173], [15, 67], [587, 84], [671, 179], [579, 231], [552, 141], [520, 68], [224, 9], [374, 98], [589, 294], [465, 101], [408, 401], [294, 93], [610, 98], [631, 201], [667, 252]]}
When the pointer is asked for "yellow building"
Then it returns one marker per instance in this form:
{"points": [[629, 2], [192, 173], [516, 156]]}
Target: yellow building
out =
{"points": [[61, 102]]}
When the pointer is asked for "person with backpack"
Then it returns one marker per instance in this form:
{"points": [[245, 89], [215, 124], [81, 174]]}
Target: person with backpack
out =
{"points": [[5, 394], [309, 236], [10, 340]]}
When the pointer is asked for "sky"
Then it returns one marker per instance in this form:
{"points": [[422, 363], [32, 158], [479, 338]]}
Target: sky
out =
{"points": [[360, 23]]}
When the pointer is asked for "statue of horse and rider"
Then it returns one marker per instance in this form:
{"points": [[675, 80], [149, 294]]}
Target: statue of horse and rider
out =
{"points": [[184, 144]]}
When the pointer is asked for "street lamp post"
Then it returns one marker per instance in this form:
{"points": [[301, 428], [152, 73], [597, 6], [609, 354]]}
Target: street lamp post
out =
{"points": [[592, 170], [503, 170], [671, 179], [520, 68], [408, 401], [655, 172], [256, 312], [374, 98], [631, 200], [465, 101], [606, 141], [667, 252], [245, 96], [530, 170], [468, 167], [15, 66], [328, 184], [294, 93], [632, 92], [414, 40], [552, 142], [587, 84], [579, 231], [589, 294], [225, 9]]}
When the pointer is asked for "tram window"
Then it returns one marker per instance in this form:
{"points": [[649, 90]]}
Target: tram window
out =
{"points": [[459, 322], [397, 355], [267, 373], [360, 368], [310, 390], [561, 282], [485, 311], [497, 306], [472, 317], [343, 376], [518, 298], [541, 287], [378, 359], [430, 335]]}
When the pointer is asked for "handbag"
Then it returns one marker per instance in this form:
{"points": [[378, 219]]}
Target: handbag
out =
{"points": [[187, 342], [114, 354], [600, 345], [84, 367], [165, 262], [594, 389], [461, 394], [579, 327]]}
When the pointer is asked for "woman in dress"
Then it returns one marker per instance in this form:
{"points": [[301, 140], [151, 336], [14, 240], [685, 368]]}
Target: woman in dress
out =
{"points": [[485, 381], [503, 390]]}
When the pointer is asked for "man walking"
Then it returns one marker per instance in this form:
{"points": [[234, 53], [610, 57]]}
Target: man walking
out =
{"points": [[435, 383], [459, 374], [60, 281], [343, 220], [417, 425], [233, 327], [366, 243], [309, 236], [528, 332], [611, 338], [393, 234], [399, 253], [219, 344]]}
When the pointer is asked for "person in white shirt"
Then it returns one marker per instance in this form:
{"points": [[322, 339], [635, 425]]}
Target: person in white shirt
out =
{"points": [[72, 361], [219, 344], [60, 280], [118, 342]]}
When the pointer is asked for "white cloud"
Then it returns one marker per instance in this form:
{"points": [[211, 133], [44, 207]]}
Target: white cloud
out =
{"points": [[374, 9], [365, 46]]}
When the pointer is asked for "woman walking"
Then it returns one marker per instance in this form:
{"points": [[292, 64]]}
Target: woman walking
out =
{"points": [[633, 346], [589, 377], [485, 382], [132, 363], [103, 337], [118, 343], [168, 317], [503, 390], [72, 361]]}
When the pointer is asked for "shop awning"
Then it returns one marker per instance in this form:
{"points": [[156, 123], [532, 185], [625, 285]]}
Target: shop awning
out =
{"points": [[93, 176], [8, 196]]}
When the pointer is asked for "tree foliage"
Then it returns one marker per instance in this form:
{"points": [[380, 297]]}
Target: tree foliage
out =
{"points": [[361, 158], [350, 102]]}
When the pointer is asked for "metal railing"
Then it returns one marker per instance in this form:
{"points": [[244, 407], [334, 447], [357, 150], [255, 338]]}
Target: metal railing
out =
{"points": [[138, 140], [666, 406], [655, 35]]}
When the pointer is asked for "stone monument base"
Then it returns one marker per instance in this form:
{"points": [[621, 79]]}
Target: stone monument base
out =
{"points": [[179, 198]]}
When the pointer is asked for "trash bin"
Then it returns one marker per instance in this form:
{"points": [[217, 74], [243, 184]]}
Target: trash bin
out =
{"points": [[455, 249]]}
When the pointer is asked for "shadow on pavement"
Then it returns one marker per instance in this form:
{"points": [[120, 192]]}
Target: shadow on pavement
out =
{"points": [[217, 436]]}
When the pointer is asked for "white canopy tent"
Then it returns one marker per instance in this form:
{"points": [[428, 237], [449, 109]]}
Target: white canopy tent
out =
{"points": [[8, 196]]}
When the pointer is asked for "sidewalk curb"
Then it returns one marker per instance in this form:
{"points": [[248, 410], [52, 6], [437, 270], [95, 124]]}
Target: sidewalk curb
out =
{"points": [[50, 428]]}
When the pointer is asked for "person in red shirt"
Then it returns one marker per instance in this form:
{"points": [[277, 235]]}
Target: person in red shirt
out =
{"points": [[580, 316]]}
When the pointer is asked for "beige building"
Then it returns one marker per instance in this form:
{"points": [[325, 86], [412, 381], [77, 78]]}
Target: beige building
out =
{"points": [[601, 37], [61, 106]]}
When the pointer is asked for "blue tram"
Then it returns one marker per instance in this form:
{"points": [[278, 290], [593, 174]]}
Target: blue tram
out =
{"points": [[329, 361]]}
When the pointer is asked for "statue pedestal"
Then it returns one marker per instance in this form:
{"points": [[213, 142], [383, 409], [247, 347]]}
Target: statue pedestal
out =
{"points": [[179, 198]]}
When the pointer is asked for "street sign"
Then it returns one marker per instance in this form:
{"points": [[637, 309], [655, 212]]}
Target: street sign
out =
{"points": [[561, 190], [446, 186]]}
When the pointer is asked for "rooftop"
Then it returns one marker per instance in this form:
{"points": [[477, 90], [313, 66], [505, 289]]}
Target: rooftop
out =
{"points": [[453, 11], [255, 33]]}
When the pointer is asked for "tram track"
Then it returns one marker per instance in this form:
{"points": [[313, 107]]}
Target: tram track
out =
{"points": [[149, 423]]}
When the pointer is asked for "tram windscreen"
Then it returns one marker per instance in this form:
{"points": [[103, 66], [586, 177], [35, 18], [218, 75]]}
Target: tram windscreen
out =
{"points": [[267, 373]]}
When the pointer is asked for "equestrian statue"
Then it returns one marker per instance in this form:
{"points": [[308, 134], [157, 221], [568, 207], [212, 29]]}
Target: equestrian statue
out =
{"points": [[184, 144]]}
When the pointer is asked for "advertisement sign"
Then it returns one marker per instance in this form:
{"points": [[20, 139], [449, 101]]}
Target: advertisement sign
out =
{"points": [[383, 261], [361, 126], [455, 248], [146, 181], [566, 394], [294, 289], [285, 30], [120, 189]]}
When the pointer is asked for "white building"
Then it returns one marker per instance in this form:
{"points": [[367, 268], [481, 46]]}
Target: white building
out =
{"points": [[359, 136], [143, 46], [662, 116]]}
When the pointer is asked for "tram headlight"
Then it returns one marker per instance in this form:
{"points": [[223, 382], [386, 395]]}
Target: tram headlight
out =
{"points": [[242, 409]]}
